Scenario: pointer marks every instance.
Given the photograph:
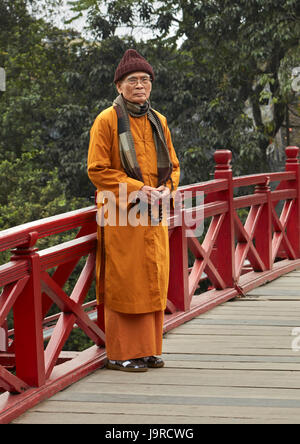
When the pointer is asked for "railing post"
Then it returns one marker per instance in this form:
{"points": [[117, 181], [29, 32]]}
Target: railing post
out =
{"points": [[263, 238], [224, 253], [178, 293], [27, 311], [293, 225]]}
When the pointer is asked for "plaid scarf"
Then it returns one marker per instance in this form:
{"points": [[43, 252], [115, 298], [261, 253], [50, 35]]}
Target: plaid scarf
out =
{"points": [[126, 143]]}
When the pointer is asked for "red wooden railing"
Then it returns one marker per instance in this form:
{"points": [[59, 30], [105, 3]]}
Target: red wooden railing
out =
{"points": [[232, 256]]}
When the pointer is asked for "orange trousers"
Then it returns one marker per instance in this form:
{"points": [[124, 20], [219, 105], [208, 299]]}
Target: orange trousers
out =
{"points": [[130, 336]]}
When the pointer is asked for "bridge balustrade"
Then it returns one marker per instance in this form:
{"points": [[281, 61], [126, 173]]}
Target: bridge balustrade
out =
{"points": [[248, 239]]}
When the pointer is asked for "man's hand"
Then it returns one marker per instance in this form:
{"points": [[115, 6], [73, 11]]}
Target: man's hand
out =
{"points": [[153, 195], [164, 191]]}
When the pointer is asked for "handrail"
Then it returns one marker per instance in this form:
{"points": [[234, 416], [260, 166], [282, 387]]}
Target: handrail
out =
{"points": [[20, 235], [248, 239], [256, 179]]}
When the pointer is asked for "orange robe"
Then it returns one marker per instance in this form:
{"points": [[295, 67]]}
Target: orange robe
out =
{"points": [[131, 336], [136, 268]]}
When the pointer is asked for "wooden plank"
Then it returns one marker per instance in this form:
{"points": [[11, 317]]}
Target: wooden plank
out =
{"points": [[196, 335], [181, 390], [130, 418], [215, 407], [237, 342], [233, 317], [230, 350], [266, 311], [117, 418], [134, 399], [223, 358], [233, 330], [264, 303], [235, 365], [261, 310], [256, 322], [236, 330], [275, 292], [175, 377]]}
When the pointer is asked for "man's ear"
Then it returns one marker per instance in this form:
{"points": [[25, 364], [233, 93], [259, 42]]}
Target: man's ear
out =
{"points": [[118, 86]]}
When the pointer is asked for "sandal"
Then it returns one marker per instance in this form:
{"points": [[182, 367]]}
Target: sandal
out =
{"points": [[153, 362], [131, 365]]}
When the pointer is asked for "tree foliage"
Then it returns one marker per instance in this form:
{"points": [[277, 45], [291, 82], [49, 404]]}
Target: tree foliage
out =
{"points": [[35, 55], [217, 64], [229, 53]]}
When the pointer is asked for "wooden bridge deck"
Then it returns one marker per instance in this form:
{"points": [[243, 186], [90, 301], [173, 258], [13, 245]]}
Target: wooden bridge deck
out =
{"points": [[233, 364]]}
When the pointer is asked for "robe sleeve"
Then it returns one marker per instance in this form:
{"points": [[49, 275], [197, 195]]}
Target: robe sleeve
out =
{"points": [[175, 176], [100, 170]]}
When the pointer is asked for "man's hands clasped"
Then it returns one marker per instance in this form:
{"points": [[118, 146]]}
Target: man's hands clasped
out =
{"points": [[153, 195]]}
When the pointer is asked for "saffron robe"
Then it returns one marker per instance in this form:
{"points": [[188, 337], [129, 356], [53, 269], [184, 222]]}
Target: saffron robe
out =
{"points": [[132, 336], [136, 268]]}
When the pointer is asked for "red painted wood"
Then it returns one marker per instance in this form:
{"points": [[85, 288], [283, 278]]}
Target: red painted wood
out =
{"points": [[225, 240], [293, 224], [63, 272], [11, 383], [178, 292], [13, 271], [263, 238], [12, 406], [28, 331], [9, 297], [203, 262], [7, 360], [256, 179], [19, 236]]}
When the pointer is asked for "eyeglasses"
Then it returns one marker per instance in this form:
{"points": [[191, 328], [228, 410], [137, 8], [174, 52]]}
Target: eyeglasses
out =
{"points": [[133, 81]]}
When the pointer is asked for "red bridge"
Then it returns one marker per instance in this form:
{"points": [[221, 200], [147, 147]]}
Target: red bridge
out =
{"points": [[239, 251]]}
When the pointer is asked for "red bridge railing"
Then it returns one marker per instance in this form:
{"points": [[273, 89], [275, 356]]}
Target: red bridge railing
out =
{"points": [[250, 237]]}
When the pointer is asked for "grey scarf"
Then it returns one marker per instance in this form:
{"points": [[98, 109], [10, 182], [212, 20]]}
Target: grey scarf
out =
{"points": [[126, 143]]}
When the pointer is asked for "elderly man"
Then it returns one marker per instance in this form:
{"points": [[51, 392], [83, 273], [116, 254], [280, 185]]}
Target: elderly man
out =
{"points": [[131, 149]]}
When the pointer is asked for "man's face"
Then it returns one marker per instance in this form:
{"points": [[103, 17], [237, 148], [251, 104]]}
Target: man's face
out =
{"points": [[136, 87]]}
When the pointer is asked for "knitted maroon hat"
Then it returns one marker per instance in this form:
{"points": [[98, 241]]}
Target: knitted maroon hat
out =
{"points": [[132, 61]]}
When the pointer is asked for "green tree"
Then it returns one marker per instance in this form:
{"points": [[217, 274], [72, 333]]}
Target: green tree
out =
{"points": [[35, 56], [233, 52]]}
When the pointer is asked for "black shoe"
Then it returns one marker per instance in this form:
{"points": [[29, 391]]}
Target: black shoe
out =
{"points": [[153, 362], [131, 365]]}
